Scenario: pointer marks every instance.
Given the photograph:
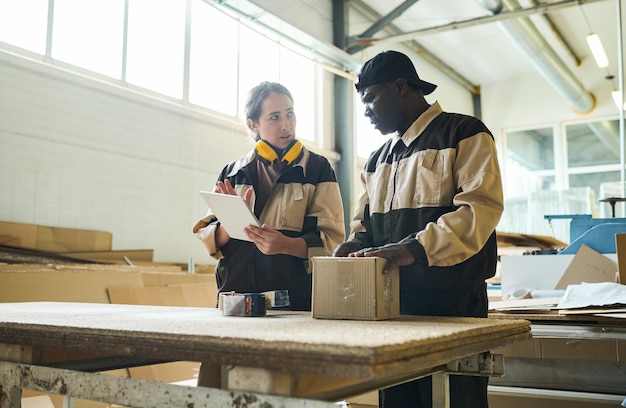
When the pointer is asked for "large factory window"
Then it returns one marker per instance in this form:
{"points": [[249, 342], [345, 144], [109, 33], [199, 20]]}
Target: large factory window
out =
{"points": [[213, 70], [191, 51], [551, 173], [529, 161], [23, 24], [156, 44], [95, 40], [593, 161]]}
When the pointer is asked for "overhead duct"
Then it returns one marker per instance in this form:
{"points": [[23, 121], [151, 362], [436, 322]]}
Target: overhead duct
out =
{"points": [[527, 38]]}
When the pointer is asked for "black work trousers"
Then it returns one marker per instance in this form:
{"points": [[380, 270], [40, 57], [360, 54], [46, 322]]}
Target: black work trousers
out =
{"points": [[465, 391]]}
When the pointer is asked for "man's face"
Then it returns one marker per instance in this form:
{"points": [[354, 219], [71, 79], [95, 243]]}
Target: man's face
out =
{"points": [[382, 106]]}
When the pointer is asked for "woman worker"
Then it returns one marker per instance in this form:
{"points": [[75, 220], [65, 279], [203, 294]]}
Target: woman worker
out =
{"points": [[294, 194]]}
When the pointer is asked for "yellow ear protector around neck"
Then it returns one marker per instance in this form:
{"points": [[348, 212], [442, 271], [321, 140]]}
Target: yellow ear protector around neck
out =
{"points": [[267, 153]]}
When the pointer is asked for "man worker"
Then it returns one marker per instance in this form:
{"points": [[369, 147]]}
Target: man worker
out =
{"points": [[432, 197]]}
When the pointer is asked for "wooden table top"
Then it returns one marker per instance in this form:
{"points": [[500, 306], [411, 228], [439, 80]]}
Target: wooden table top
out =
{"points": [[281, 340]]}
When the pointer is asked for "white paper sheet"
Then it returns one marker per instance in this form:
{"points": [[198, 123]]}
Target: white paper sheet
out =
{"points": [[593, 294]]}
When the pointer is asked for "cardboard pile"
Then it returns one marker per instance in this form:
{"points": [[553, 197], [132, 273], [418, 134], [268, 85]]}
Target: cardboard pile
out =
{"points": [[143, 282], [585, 267], [121, 284], [78, 243]]}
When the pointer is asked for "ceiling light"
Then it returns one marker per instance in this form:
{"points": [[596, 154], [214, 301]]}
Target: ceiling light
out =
{"points": [[597, 50], [617, 98]]}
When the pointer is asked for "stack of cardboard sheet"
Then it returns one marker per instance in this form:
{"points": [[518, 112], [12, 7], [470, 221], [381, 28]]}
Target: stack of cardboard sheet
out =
{"points": [[587, 267], [71, 265], [77, 243]]}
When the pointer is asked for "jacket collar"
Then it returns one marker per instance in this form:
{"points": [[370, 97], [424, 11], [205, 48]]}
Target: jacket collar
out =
{"points": [[418, 126]]}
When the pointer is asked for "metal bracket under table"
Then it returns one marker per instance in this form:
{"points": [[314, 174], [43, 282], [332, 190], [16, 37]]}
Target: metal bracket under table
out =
{"points": [[131, 392]]}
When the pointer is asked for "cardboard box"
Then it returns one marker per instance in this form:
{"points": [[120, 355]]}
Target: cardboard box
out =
{"points": [[63, 285], [55, 239], [89, 283], [168, 372], [191, 295], [133, 255], [145, 284], [354, 288], [620, 248], [588, 266]]}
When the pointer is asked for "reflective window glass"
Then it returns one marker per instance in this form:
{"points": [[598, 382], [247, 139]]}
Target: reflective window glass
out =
{"points": [[258, 56], [297, 73], [529, 161], [593, 143], [89, 34], [213, 62], [24, 24], [368, 139], [156, 38]]}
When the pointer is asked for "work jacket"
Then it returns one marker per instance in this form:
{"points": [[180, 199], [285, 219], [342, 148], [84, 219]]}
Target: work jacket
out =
{"points": [[304, 202], [437, 190]]}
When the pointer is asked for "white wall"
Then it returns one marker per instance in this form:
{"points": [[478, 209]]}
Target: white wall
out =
{"points": [[530, 101], [78, 153]]}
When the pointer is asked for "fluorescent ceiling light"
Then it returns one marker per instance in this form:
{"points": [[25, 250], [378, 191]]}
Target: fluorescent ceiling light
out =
{"points": [[617, 98], [597, 50]]}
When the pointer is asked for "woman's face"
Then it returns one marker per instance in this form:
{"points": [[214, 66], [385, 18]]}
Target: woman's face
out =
{"points": [[277, 122]]}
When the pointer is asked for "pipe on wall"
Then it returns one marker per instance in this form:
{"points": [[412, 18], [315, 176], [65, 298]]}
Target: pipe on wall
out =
{"points": [[527, 38]]}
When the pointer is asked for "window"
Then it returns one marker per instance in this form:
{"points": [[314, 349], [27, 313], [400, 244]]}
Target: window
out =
{"points": [[143, 42], [24, 23], [156, 39], [543, 177], [529, 157], [258, 62], [530, 185], [93, 41], [368, 138], [593, 158], [297, 73], [213, 65]]}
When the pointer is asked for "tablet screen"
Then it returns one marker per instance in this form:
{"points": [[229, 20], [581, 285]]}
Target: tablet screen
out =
{"points": [[232, 212]]}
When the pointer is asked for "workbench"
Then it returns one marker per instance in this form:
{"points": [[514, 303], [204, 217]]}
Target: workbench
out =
{"points": [[282, 359], [571, 359]]}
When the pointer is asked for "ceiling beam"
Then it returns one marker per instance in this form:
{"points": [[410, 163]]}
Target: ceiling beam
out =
{"points": [[364, 9], [383, 21], [455, 25]]}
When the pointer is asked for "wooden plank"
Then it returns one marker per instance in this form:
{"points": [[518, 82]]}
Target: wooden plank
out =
{"points": [[281, 339]]}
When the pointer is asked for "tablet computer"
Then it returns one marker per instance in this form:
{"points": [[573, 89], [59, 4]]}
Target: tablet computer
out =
{"points": [[232, 212]]}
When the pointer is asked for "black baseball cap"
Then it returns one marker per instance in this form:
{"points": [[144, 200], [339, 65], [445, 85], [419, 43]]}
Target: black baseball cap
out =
{"points": [[388, 66]]}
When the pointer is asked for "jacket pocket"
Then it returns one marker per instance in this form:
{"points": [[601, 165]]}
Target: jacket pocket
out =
{"points": [[293, 207], [419, 182]]}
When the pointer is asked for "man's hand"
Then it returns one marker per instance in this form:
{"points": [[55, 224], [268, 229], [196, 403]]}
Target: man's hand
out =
{"points": [[395, 254], [346, 248]]}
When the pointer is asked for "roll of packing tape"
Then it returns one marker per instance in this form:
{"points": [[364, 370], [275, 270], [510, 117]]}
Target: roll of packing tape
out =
{"points": [[547, 293], [242, 304], [521, 294]]}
